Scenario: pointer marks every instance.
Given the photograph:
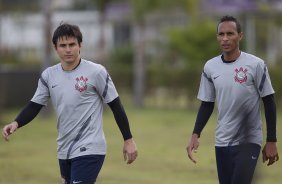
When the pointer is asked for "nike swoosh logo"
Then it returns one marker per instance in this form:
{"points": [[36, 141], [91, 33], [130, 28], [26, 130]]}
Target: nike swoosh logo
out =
{"points": [[53, 86], [254, 158], [75, 182], [216, 77]]}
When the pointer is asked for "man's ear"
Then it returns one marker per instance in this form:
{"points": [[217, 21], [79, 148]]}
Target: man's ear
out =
{"points": [[241, 35], [55, 47]]}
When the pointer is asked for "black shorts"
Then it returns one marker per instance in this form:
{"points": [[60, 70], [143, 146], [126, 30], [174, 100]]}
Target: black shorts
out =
{"points": [[81, 170], [236, 164]]}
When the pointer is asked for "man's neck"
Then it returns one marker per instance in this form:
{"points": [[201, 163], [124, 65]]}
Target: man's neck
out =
{"points": [[231, 56], [70, 66]]}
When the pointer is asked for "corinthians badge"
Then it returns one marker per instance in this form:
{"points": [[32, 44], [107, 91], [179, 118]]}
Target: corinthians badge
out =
{"points": [[241, 75], [81, 83]]}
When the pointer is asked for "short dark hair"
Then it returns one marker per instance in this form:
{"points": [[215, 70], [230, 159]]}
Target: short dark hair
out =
{"points": [[67, 30], [232, 19]]}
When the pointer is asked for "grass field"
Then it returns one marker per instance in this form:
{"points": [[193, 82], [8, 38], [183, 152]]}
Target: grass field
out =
{"points": [[161, 136]]}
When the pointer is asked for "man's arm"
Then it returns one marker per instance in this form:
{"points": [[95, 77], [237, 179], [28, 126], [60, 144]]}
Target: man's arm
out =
{"points": [[270, 117], [203, 116], [269, 152], [121, 118], [24, 117], [28, 113], [129, 148]]}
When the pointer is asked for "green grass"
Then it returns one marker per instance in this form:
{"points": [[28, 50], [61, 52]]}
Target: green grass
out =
{"points": [[161, 136]]}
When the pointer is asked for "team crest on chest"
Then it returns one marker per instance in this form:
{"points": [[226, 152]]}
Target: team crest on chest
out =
{"points": [[81, 83], [241, 75]]}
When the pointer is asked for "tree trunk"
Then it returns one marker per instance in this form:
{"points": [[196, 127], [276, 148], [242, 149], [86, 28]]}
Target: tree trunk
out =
{"points": [[139, 65], [47, 12], [102, 41], [250, 34]]}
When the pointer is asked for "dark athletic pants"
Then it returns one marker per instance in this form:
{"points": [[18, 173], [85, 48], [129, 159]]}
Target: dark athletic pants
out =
{"points": [[236, 164], [81, 170]]}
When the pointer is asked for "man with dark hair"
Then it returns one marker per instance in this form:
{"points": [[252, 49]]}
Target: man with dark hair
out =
{"points": [[236, 81], [78, 89]]}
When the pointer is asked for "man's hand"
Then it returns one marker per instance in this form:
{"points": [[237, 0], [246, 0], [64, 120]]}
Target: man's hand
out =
{"points": [[269, 153], [9, 129], [193, 146], [129, 151]]}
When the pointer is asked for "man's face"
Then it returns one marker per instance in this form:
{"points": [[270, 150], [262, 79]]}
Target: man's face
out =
{"points": [[228, 37], [68, 49]]}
